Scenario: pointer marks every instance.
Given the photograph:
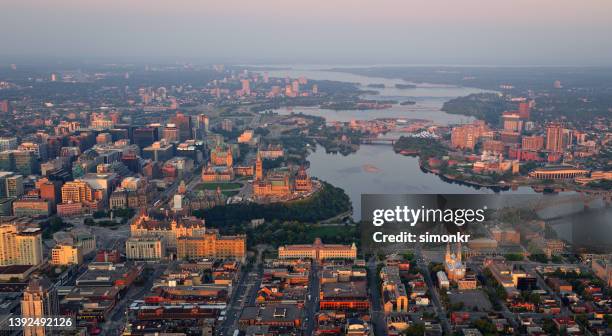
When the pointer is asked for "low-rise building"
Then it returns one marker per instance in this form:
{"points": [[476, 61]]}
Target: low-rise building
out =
{"points": [[145, 248], [63, 254]]}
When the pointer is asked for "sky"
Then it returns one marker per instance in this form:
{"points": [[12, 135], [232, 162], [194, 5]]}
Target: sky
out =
{"points": [[462, 32]]}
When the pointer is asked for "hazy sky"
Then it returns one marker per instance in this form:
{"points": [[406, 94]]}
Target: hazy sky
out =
{"points": [[492, 32]]}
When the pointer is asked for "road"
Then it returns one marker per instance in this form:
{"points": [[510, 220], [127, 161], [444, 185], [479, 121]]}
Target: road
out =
{"points": [[435, 296], [311, 305], [244, 295], [114, 325], [379, 323]]}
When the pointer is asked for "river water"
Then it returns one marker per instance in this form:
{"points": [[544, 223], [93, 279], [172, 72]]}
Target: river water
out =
{"points": [[376, 169]]}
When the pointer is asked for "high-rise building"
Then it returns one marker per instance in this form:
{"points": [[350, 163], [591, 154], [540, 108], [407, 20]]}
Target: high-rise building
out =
{"points": [[37, 149], [21, 161], [554, 138], [227, 125], [203, 122], [532, 142], [171, 133], [8, 143], [77, 192], [295, 87], [524, 110], [49, 191], [512, 122], [183, 125], [26, 162], [20, 246], [145, 136], [246, 87], [11, 185], [4, 106], [39, 300], [466, 136]]}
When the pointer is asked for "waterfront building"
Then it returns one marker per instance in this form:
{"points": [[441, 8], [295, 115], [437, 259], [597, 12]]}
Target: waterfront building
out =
{"points": [[279, 183], [466, 136], [560, 172], [275, 184]]}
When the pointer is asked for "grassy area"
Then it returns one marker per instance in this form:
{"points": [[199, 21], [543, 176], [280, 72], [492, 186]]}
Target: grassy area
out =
{"points": [[230, 193], [221, 185]]}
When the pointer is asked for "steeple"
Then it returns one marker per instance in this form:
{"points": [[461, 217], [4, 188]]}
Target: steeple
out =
{"points": [[258, 168]]}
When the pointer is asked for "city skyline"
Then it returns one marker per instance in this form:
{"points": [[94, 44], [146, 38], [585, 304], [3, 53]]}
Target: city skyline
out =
{"points": [[470, 32]]}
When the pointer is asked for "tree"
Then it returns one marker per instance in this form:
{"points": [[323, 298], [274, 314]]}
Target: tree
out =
{"points": [[417, 329]]}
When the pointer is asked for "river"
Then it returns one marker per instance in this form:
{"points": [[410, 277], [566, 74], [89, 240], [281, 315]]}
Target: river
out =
{"points": [[376, 169], [429, 98]]}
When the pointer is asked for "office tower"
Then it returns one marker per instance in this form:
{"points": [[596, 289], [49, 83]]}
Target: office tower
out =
{"points": [[227, 125], [8, 143], [203, 122], [158, 151], [554, 138], [171, 133], [524, 110], [246, 87], [512, 122], [37, 149], [21, 161], [145, 136], [11, 185], [295, 87], [39, 300], [532, 143], [4, 106], [26, 162], [14, 186], [466, 136], [183, 125], [77, 192]]}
